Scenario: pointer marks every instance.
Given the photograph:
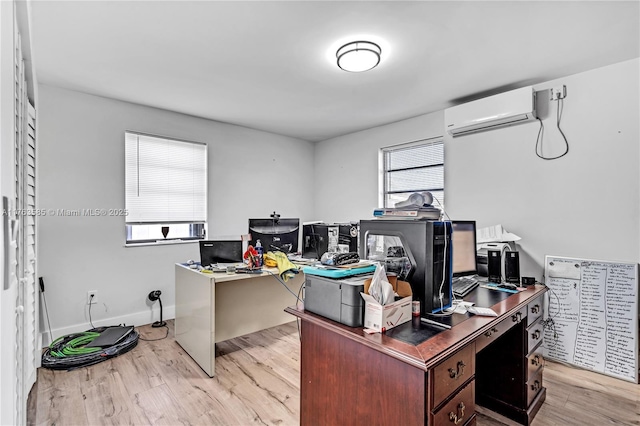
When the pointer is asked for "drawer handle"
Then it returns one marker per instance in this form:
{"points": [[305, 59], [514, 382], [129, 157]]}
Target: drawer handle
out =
{"points": [[459, 370], [535, 386], [535, 335], [535, 309], [517, 317], [459, 416], [490, 332], [535, 360]]}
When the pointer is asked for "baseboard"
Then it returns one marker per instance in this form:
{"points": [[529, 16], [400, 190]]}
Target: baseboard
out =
{"points": [[136, 319]]}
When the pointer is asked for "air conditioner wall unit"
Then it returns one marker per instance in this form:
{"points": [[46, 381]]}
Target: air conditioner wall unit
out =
{"points": [[504, 109]]}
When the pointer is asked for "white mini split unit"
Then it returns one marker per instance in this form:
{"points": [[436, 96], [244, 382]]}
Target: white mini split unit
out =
{"points": [[505, 109]]}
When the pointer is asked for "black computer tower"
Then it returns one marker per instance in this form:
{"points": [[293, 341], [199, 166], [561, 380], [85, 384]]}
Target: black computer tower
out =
{"points": [[318, 238], [422, 256]]}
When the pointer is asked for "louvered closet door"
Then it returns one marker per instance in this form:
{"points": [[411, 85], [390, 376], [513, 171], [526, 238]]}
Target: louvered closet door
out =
{"points": [[28, 249], [26, 342], [20, 109]]}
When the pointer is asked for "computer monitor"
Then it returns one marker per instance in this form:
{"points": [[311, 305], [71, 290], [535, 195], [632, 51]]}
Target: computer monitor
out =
{"points": [[275, 234], [463, 247], [213, 252]]}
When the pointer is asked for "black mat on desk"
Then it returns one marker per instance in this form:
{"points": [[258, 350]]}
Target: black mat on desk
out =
{"points": [[415, 331], [485, 297]]}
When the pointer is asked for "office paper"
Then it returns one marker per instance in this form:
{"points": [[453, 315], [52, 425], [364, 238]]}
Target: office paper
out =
{"points": [[495, 234], [594, 307]]}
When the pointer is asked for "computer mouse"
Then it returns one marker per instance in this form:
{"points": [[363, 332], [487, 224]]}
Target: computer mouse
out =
{"points": [[508, 286]]}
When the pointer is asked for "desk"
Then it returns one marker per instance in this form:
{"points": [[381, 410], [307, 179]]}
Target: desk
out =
{"points": [[215, 307], [350, 377]]}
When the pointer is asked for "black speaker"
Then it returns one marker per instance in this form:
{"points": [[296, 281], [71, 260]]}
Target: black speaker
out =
{"points": [[494, 266], [512, 267]]}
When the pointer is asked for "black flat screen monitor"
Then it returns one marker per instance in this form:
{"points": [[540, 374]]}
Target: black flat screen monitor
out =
{"points": [[275, 234], [463, 247], [213, 252]]}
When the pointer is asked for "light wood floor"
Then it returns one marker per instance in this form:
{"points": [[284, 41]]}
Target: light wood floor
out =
{"points": [[257, 382]]}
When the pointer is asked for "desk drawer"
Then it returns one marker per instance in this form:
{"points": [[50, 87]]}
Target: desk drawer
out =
{"points": [[499, 329], [535, 361], [534, 385], [459, 410], [534, 335], [534, 310], [472, 421], [451, 373]]}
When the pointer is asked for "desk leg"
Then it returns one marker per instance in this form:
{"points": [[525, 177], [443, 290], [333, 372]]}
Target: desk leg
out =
{"points": [[195, 319]]}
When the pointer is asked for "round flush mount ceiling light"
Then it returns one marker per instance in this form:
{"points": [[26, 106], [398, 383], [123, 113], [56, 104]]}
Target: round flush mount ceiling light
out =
{"points": [[358, 56]]}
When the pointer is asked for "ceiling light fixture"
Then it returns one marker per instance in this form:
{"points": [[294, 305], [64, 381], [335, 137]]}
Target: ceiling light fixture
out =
{"points": [[358, 56]]}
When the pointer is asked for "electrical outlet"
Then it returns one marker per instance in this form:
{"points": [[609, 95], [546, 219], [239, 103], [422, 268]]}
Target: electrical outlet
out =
{"points": [[90, 300], [559, 92]]}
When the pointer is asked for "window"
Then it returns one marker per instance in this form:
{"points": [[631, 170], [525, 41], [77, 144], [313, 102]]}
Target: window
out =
{"points": [[414, 167], [165, 188]]}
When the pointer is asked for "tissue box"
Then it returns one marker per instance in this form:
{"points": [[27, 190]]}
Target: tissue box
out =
{"points": [[383, 317]]}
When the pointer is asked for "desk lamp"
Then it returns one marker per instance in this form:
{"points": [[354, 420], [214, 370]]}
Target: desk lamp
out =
{"points": [[153, 296]]}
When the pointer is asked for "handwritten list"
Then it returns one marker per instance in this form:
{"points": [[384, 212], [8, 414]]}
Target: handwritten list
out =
{"points": [[594, 308]]}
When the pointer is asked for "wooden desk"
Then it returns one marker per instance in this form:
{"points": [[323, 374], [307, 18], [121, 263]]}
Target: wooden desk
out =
{"points": [[349, 377], [215, 307]]}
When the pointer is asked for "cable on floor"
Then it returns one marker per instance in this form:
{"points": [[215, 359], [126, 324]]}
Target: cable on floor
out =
{"points": [[159, 338], [70, 351]]}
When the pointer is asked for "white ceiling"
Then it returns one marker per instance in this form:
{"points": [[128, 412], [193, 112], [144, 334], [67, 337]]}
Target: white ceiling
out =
{"points": [[271, 65]]}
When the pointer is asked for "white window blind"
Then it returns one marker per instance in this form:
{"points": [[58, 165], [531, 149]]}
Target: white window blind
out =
{"points": [[166, 180], [415, 167]]}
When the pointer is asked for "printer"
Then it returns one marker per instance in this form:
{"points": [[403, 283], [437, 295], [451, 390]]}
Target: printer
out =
{"points": [[336, 299], [482, 259]]}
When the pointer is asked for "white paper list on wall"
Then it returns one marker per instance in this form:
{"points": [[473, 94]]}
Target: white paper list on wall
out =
{"points": [[594, 308]]}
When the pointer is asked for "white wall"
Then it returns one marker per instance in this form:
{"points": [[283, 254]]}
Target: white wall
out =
{"points": [[582, 205], [346, 173], [585, 204], [81, 166]]}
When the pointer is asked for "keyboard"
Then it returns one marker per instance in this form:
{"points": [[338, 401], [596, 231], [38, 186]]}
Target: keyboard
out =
{"points": [[487, 312], [462, 286]]}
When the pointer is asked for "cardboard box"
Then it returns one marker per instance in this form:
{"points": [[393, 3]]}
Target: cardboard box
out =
{"points": [[384, 317]]}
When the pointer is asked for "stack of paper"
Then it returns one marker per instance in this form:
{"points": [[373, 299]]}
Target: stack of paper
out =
{"points": [[495, 234]]}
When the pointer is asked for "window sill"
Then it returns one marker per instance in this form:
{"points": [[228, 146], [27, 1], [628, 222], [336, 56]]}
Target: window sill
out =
{"points": [[161, 243]]}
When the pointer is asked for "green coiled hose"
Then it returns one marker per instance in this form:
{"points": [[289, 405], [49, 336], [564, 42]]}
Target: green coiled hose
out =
{"points": [[70, 351]]}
